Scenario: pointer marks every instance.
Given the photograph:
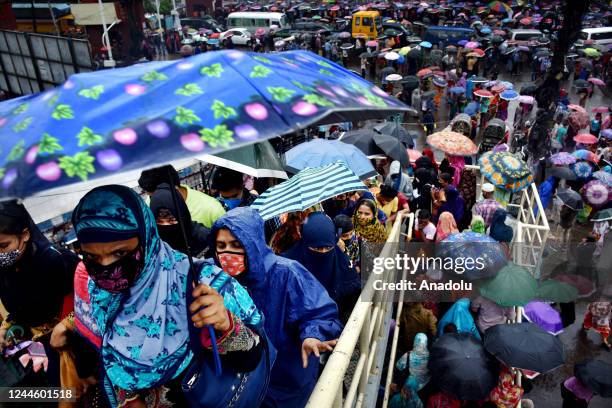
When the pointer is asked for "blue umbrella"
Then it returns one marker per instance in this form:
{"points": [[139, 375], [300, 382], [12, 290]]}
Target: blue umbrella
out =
{"points": [[472, 245], [582, 169], [425, 44], [485, 30], [509, 95], [307, 188], [105, 122], [457, 90], [320, 152], [604, 177], [471, 108]]}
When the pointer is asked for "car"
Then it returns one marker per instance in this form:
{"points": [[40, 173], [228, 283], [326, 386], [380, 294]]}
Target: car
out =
{"points": [[308, 26], [239, 36]]}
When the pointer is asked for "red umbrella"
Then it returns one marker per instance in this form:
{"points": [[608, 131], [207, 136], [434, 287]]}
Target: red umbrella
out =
{"points": [[424, 72], [372, 43], [499, 32], [525, 21], [413, 155], [214, 35], [585, 138], [601, 109], [576, 108], [596, 81], [478, 51], [578, 120], [498, 88], [483, 93]]}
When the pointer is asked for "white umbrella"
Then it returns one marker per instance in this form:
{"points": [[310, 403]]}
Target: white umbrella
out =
{"points": [[393, 77], [392, 56]]}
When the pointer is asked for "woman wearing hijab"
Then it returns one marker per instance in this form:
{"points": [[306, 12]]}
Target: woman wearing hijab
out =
{"points": [[459, 315], [499, 231], [431, 163], [36, 283], [478, 225], [418, 360], [301, 318], [446, 226], [317, 251], [416, 319], [288, 233], [131, 302], [367, 225], [349, 242], [506, 394], [408, 396], [454, 204], [169, 218]]}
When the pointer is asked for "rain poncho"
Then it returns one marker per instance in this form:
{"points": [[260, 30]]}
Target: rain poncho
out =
{"points": [[294, 303], [499, 231], [419, 357], [459, 315]]}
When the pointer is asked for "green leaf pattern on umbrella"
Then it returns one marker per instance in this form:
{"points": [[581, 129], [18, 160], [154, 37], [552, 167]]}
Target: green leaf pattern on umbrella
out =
{"points": [[17, 151], [325, 72], [221, 110], [375, 100], [189, 90], [87, 137], [219, 136], [185, 116], [23, 125], [263, 59], [20, 109], [2, 171], [154, 76], [259, 71], [62, 111], [212, 71], [324, 64], [302, 86], [317, 100], [80, 165], [280, 94], [49, 144], [92, 93], [53, 100]]}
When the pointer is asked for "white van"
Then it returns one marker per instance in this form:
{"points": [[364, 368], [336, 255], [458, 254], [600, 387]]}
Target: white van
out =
{"points": [[523, 34], [599, 35], [252, 20]]}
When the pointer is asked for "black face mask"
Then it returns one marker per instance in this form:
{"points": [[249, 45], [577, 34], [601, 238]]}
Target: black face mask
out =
{"points": [[173, 236], [118, 276]]}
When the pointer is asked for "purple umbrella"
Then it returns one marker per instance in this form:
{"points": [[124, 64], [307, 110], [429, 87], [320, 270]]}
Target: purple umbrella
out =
{"points": [[562, 158], [462, 42], [543, 315], [596, 193]]}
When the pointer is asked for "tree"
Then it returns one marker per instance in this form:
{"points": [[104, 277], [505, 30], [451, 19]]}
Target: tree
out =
{"points": [[165, 6]]}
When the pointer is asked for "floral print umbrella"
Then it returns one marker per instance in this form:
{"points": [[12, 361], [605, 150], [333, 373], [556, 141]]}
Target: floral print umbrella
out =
{"points": [[452, 143], [505, 170], [596, 193], [562, 158], [103, 122], [582, 170]]}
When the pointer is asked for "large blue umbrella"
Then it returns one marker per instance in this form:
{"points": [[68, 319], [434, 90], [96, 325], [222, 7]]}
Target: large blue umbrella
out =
{"points": [[103, 122], [320, 152], [478, 247]]}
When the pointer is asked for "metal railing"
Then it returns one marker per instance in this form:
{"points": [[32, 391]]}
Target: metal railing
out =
{"points": [[369, 325]]}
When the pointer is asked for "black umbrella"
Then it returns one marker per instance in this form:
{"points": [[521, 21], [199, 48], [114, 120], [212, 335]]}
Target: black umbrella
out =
{"points": [[562, 173], [571, 198], [363, 139], [524, 345], [410, 81], [597, 376], [396, 131], [528, 90], [459, 365], [368, 54], [393, 148], [581, 83], [415, 53], [392, 32], [387, 71]]}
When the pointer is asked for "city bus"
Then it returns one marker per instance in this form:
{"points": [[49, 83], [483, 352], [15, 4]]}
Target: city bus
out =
{"points": [[253, 20]]}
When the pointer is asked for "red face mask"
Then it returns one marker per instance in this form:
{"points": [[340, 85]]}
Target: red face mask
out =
{"points": [[232, 263]]}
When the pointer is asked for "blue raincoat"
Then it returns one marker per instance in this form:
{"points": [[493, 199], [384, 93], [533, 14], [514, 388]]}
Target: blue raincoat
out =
{"points": [[459, 315], [295, 305]]}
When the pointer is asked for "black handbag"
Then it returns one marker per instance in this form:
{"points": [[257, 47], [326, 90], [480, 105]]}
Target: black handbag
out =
{"points": [[204, 388]]}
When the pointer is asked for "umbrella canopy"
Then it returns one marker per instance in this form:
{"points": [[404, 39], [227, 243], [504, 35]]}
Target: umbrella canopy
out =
{"points": [[600, 109], [585, 138], [554, 291], [307, 188], [570, 198], [526, 99], [597, 193], [372, 43], [425, 72], [397, 131], [483, 93], [394, 77], [392, 147], [363, 139], [474, 245], [597, 376], [459, 365], [578, 120], [457, 90], [584, 285], [513, 286], [320, 152], [509, 95], [392, 56], [584, 154], [524, 345], [544, 316], [607, 133], [164, 111], [413, 155], [591, 52], [581, 83], [604, 177], [597, 81], [452, 143], [256, 159], [603, 215], [582, 169], [562, 158], [505, 170]]}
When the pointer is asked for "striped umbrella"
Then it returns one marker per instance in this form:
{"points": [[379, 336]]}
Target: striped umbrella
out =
{"points": [[307, 188], [596, 193]]}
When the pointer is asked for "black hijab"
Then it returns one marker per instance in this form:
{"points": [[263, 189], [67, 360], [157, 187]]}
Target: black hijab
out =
{"points": [[33, 290]]}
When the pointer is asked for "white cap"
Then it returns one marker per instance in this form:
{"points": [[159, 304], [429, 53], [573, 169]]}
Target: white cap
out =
{"points": [[488, 188]]}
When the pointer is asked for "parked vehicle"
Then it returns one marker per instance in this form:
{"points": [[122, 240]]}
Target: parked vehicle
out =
{"points": [[367, 24], [253, 20], [239, 36], [444, 36], [599, 35], [522, 34]]}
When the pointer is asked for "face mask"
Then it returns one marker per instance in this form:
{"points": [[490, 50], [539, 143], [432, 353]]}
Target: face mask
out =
{"points": [[232, 263], [119, 275], [8, 259], [232, 203], [173, 236]]}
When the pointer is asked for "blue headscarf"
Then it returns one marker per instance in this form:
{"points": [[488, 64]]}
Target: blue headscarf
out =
{"points": [[143, 331], [454, 203], [459, 315], [499, 231]]}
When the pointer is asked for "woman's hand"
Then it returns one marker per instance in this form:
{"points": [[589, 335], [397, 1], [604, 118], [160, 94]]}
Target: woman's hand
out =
{"points": [[59, 336], [208, 308], [4, 343], [316, 346]]}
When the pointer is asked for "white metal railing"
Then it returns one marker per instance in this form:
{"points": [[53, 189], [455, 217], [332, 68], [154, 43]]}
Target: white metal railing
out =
{"points": [[368, 324]]}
